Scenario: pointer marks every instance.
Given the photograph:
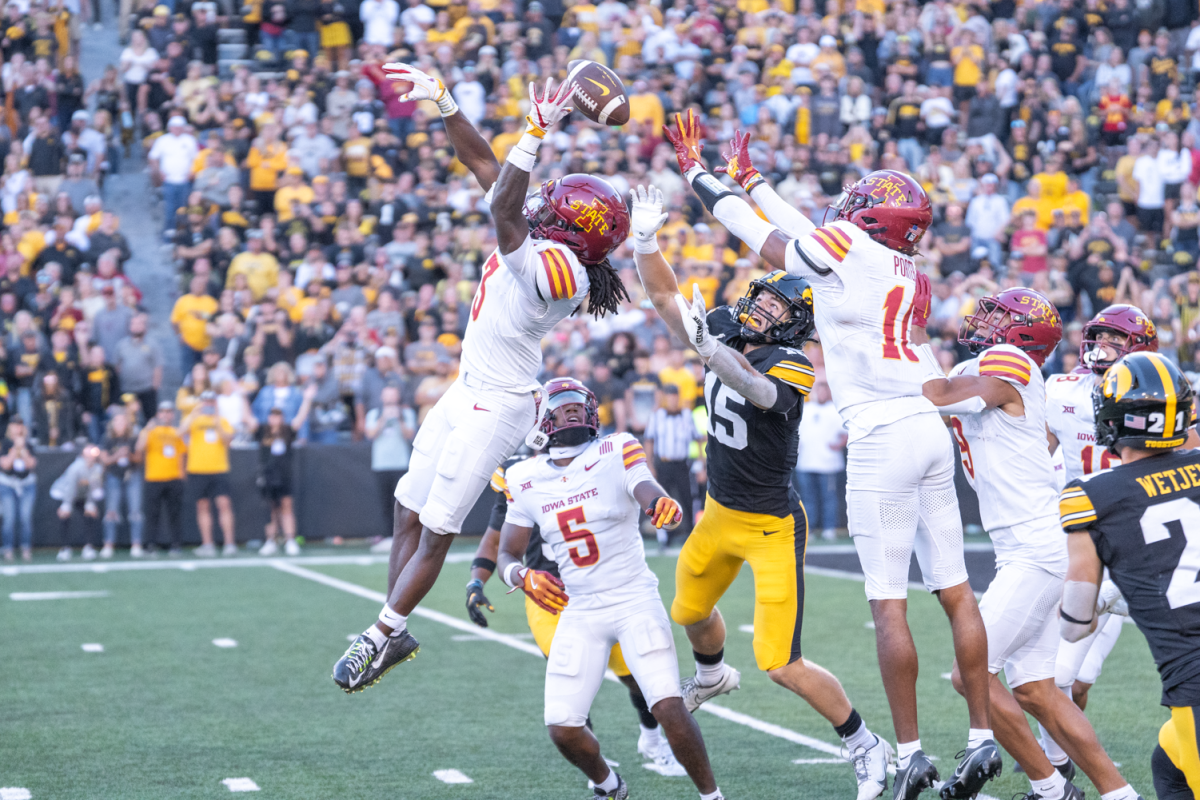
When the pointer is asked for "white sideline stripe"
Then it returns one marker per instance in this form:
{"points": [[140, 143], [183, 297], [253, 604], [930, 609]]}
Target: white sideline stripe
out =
{"points": [[241, 785], [817, 549], [15, 793], [818, 761], [89, 648], [759, 725], [226, 643], [212, 563], [55, 595], [451, 776], [746, 628]]}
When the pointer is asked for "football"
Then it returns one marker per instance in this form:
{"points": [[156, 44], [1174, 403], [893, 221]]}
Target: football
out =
{"points": [[599, 94]]}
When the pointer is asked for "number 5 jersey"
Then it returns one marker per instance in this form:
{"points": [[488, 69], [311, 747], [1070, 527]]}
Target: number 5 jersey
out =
{"points": [[589, 519]]}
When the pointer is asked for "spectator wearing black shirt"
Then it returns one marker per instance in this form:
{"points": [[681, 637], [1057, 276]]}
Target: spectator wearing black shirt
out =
{"points": [[276, 438], [68, 91], [952, 238], [54, 412], [47, 157], [100, 390], [984, 114], [302, 25], [610, 394]]}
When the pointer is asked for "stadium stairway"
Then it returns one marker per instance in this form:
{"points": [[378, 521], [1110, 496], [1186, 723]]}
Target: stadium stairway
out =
{"points": [[130, 196]]}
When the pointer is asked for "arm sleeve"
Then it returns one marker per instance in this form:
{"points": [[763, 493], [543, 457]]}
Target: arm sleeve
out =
{"points": [[779, 213], [557, 275], [817, 255], [1075, 509], [1007, 366]]}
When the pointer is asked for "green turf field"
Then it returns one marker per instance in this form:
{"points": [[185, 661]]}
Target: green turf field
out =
{"points": [[163, 712]]}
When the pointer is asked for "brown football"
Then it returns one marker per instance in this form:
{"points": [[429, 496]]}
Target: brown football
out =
{"points": [[599, 94]]}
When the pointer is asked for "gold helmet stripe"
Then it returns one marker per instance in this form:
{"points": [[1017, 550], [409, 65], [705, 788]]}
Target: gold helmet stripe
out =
{"points": [[1160, 364]]}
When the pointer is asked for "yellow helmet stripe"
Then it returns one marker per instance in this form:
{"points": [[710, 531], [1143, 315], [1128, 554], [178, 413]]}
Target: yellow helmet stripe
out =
{"points": [[1169, 390]]}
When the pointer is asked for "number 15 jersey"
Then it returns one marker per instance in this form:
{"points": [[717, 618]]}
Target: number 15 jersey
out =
{"points": [[1144, 518], [589, 519]]}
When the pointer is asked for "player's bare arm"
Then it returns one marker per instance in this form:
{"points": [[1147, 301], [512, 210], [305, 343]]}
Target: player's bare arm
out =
{"points": [[734, 213], [508, 200], [1077, 616], [469, 146], [541, 587], [965, 390], [730, 366]]}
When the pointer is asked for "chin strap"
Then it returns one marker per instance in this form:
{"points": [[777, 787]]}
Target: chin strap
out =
{"points": [[569, 452]]}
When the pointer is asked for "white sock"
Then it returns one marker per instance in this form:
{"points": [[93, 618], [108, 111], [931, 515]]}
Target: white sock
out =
{"points": [[1055, 753], [977, 736], [1126, 792], [396, 622], [708, 674], [713, 796], [860, 738], [653, 733], [375, 635], [610, 783], [904, 752], [1054, 786]]}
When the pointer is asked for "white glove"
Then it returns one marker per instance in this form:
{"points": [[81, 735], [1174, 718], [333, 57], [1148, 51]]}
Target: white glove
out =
{"points": [[696, 324], [1111, 601], [547, 109], [647, 218], [425, 86]]}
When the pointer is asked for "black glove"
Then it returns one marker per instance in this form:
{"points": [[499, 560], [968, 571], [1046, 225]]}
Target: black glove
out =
{"points": [[475, 600]]}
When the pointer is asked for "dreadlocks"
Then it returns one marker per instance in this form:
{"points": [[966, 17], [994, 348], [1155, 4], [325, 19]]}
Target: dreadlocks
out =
{"points": [[607, 291]]}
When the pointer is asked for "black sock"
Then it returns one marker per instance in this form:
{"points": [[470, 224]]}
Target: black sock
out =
{"points": [[850, 726], [639, 702], [715, 658], [587, 723]]}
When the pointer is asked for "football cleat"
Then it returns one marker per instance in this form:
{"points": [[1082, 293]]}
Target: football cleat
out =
{"points": [[654, 746], [619, 793], [363, 664], [696, 694], [919, 775], [1070, 792], [978, 766], [870, 768]]}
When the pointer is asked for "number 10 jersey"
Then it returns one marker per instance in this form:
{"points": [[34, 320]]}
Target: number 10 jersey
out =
{"points": [[1144, 518]]}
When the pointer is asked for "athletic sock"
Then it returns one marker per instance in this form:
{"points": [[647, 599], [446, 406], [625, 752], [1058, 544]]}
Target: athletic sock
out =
{"points": [[610, 783], [1054, 786], [1126, 792], [645, 718], [397, 622], [977, 736], [904, 752], [713, 796], [1056, 754], [375, 635], [854, 732], [709, 668]]}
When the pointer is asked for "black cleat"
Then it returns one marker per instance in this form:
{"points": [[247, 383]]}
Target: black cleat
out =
{"points": [[1067, 770], [978, 766], [918, 776], [619, 793], [1070, 792], [363, 664]]}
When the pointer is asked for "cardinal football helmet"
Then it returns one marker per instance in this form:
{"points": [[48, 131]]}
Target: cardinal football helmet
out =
{"points": [[1128, 321], [890, 207], [583, 212], [1033, 325], [1144, 402]]}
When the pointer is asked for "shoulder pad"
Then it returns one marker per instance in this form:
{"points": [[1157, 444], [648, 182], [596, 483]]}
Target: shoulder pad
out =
{"points": [[1075, 508], [835, 239], [559, 274], [1007, 363], [631, 452], [788, 365]]}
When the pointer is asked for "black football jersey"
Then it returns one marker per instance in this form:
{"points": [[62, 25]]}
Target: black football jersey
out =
{"points": [[1145, 520], [534, 558], [752, 451]]}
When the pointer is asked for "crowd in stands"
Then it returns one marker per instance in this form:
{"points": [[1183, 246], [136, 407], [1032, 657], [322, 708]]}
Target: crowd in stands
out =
{"points": [[328, 244]]}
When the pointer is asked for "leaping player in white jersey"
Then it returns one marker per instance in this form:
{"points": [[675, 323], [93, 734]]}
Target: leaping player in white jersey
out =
{"points": [[586, 494], [900, 468], [552, 255], [999, 419], [1071, 421]]}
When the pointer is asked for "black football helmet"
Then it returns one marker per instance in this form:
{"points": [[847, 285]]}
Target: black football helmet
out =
{"points": [[1144, 402], [796, 293]]}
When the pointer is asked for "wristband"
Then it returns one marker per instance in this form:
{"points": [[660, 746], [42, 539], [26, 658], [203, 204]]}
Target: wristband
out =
{"points": [[446, 104], [523, 156], [645, 246], [1072, 620], [484, 563], [475, 583], [508, 576]]}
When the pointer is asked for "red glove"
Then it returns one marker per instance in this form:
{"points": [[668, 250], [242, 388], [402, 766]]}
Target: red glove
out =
{"points": [[922, 304], [737, 162], [665, 513], [544, 589], [686, 141]]}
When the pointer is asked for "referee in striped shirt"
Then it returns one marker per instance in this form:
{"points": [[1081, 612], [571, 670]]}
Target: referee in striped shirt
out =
{"points": [[667, 441]]}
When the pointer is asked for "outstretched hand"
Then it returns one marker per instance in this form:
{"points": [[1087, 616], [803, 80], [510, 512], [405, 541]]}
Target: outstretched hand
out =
{"points": [[425, 86], [686, 141], [737, 162], [647, 216], [695, 321], [548, 107]]}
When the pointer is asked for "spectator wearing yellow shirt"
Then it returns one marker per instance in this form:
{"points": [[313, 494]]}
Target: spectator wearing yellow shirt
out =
{"points": [[260, 267], [645, 107], [292, 191], [703, 277], [968, 59], [507, 138], [191, 317], [208, 436], [161, 449], [830, 56], [700, 247], [1077, 200], [267, 158], [1042, 209], [676, 373]]}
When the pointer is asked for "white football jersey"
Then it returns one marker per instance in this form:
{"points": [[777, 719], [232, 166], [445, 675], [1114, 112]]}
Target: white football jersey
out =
{"points": [[589, 519], [863, 303], [1006, 458], [1072, 420], [521, 297]]}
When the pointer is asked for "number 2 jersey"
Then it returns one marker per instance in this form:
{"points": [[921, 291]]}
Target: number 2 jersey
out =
{"points": [[521, 297], [1072, 420], [1008, 463], [864, 295], [752, 451], [1144, 518], [588, 519]]}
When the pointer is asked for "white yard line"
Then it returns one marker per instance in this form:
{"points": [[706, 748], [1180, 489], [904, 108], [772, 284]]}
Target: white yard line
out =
{"points": [[241, 785], [55, 595], [15, 793], [451, 776]]}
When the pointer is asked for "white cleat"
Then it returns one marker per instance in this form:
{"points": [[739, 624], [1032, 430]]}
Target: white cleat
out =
{"points": [[64, 554], [88, 553], [652, 744], [136, 551], [229, 550], [206, 551], [696, 695], [269, 548], [107, 550], [871, 768], [291, 548]]}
